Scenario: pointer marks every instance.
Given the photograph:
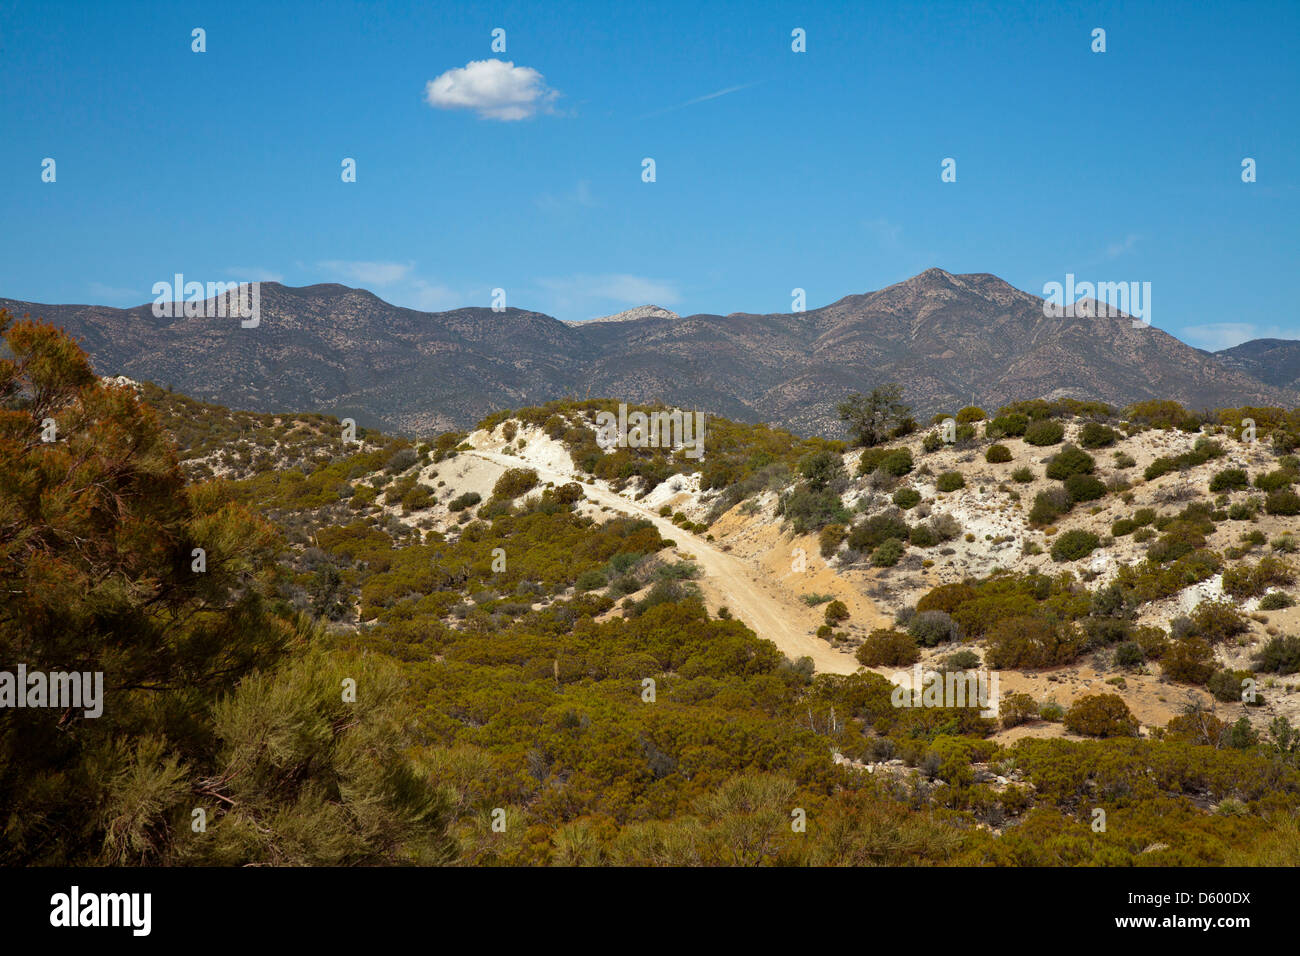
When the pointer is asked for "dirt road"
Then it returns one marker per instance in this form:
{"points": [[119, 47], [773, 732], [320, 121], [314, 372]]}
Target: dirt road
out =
{"points": [[736, 582]]}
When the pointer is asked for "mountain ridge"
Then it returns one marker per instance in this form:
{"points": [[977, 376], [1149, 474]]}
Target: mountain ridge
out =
{"points": [[950, 339]]}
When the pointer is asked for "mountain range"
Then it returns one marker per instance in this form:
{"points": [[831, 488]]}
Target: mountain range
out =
{"points": [[1274, 361], [951, 340]]}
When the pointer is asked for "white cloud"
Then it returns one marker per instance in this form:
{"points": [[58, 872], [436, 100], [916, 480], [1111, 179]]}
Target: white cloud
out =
{"points": [[579, 196], [495, 89], [105, 294], [1117, 249], [1224, 335], [368, 273], [583, 296], [254, 274], [887, 234], [431, 297]]}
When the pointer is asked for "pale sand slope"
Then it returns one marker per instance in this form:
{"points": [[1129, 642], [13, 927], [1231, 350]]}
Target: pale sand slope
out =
{"points": [[749, 592]]}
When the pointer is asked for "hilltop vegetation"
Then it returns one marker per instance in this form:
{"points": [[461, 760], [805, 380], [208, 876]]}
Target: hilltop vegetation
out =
{"points": [[403, 652]]}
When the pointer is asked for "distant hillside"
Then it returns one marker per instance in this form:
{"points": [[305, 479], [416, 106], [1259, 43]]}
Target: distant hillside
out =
{"points": [[950, 339], [1274, 361]]}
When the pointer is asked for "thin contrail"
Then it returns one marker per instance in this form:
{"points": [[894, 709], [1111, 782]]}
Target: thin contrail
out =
{"points": [[699, 99]]}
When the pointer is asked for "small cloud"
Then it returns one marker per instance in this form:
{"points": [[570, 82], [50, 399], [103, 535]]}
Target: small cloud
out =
{"points": [[495, 89], [247, 274], [699, 99], [368, 273], [1117, 249], [887, 233], [432, 297], [579, 196], [117, 295], [1214, 336], [582, 296]]}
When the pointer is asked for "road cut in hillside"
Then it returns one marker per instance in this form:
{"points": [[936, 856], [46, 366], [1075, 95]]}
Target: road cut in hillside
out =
{"points": [[727, 579]]}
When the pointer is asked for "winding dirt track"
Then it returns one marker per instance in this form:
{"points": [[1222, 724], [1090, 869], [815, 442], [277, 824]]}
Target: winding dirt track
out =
{"points": [[733, 581]]}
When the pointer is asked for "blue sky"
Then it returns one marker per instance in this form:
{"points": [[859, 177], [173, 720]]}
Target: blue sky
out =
{"points": [[818, 170]]}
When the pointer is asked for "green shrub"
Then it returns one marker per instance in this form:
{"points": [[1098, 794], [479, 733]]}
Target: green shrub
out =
{"points": [[1044, 431], [997, 454], [1101, 715], [1013, 425], [678, 571], [1159, 413], [888, 553], [1281, 655], [624, 584], [1097, 435], [836, 612], [922, 536], [1189, 661], [1244, 581], [1276, 480], [1084, 488], [1276, 601], [1074, 544], [964, 660], [876, 530], [1282, 502], [1161, 466], [1230, 479], [467, 500], [1122, 527], [870, 459], [820, 468], [1022, 475], [1216, 621], [1226, 685], [897, 463], [1049, 505], [907, 498], [1204, 450], [590, 580], [1017, 709], [1070, 461], [1129, 654], [947, 597], [888, 648], [1052, 712], [830, 538], [1028, 642], [810, 511], [417, 498], [932, 628], [950, 481], [401, 460], [515, 482]]}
